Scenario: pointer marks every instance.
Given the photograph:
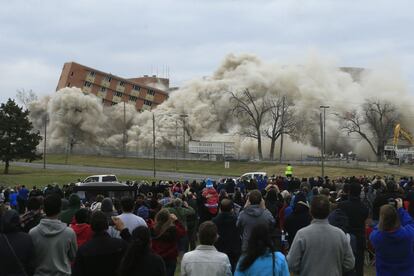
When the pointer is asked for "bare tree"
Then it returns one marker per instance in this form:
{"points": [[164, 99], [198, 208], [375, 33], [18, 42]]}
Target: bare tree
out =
{"points": [[374, 123], [250, 110], [25, 97], [281, 119]]}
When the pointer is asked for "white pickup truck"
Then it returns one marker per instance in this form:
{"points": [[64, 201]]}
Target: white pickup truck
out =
{"points": [[101, 178]]}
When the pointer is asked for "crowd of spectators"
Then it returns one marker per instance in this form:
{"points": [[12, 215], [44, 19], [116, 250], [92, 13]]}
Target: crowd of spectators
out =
{"points": [[265, 226]]}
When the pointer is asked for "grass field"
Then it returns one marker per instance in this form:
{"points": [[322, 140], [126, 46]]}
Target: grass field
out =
{"points": [[40, 177], [217, 168]]}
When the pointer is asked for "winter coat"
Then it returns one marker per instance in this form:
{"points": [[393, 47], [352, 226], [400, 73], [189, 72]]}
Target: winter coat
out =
{"points": [[320, 249], [165, 245], [394, 251], [250, 217], [264, 266], [181, 213], [357, 213], [20, 242], [100, 256], [297, 220], [154, 266], [55, 247], [74, 205], [212, 199], [228, 241], [83, 232]]}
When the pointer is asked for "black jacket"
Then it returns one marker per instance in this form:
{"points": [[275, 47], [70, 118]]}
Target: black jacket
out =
{"points": [[100, 256], [357, 213], [229, 241], [297, 220], [154, 266], [23, 247]]}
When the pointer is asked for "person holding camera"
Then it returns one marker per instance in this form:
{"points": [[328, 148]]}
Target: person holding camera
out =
{"points": [[393, 241]]}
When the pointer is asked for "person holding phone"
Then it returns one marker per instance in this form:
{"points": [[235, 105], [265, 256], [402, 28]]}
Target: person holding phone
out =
{"points": [[393, 241]]}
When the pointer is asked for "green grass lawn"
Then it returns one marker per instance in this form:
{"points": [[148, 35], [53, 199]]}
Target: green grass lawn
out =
{"points": [[41, 178], [217, 168]]}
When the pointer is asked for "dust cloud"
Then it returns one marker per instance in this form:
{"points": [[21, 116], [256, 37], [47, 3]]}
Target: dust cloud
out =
{"points": [[82, 119]]}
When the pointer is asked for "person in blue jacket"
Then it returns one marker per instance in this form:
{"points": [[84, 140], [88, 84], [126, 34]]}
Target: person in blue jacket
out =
{"points": [[393, 241], [261, 258]]}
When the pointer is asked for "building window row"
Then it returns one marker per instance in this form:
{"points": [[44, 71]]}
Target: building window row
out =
{"points": [[88, 84], [118, 94], [103, 89], [108, 78], [136, 87], [92, 73], [151, 92], [146, 102], [133, 98]]}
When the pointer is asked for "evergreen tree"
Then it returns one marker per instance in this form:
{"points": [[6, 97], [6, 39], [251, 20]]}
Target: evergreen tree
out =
{"points": [[17, 138]]}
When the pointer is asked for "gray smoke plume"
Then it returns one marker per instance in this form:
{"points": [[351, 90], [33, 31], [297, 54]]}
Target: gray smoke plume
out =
{"points": [[206, 101]]}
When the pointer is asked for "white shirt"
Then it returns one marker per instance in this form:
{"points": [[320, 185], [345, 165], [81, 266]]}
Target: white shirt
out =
{"points": [[132, 221]]}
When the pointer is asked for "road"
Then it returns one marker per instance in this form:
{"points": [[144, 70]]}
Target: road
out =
{"points": [[118, 171]]}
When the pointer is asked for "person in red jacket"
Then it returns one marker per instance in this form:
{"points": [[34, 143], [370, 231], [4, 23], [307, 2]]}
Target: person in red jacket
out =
{"points": [[81, 226], [211, 199], [165, 233]]}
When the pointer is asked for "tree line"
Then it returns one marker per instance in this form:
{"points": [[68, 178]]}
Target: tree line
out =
{"points": [[272, 116]]}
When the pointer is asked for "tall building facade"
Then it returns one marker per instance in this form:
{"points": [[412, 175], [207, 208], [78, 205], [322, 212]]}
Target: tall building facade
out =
{"points": [[113, 89]]}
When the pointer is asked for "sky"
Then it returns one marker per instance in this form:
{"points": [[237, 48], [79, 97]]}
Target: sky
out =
{"points": [[130, 38]]}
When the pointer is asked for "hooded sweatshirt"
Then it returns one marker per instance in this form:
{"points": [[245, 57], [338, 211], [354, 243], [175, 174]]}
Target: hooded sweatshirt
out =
{"points": [[250, 217], [20, 242], [55, 247], [83, 232], [74, 205]]}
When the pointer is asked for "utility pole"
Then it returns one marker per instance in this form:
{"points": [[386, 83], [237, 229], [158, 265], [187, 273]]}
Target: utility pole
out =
{"points": [[176, 144], [184, 116], [153, 141], [124, 134], [44, 143], [67, 147], [282, 129], [323, 134], [321, 128]]}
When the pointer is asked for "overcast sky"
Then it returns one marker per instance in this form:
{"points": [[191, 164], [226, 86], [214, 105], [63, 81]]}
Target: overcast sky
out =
{"points": [[133, 38]]}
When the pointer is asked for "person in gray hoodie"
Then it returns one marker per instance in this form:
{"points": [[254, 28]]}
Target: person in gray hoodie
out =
{"points": [[54, 242], [254, 213]]}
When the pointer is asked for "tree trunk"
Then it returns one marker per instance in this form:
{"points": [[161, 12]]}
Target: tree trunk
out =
{"points": [[259, 146], [380, 150], [272, 150], [6, 167]]}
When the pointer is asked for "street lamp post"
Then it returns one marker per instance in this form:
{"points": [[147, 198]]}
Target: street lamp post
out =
{"points": [[323, 140], [153, 141], [176, 144], [44, 142]]}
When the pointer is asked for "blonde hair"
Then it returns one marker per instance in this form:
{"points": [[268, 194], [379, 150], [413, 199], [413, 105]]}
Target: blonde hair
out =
{"points": [[388, 219]]}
